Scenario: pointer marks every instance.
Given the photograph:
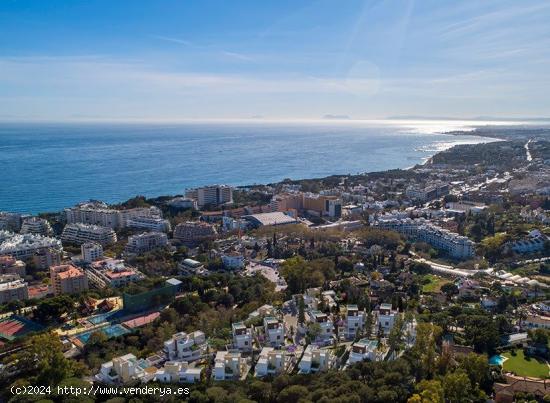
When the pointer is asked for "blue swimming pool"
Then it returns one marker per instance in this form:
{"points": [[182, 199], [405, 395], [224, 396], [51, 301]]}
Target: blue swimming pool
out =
{"points": [[496, 360], [109, 331]]}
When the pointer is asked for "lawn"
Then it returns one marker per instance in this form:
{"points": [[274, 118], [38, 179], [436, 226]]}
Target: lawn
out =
{"points": [[432, 284], [522, 366]]}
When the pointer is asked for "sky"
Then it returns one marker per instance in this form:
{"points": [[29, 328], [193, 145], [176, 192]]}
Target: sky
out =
{"points": [[273, 59]]}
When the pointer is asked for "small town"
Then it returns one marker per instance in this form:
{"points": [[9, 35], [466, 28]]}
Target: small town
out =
{"points": [[429, 284]]}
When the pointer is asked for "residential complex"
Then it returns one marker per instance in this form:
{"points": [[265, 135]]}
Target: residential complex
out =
{"points": [[91, 251], [12, 288], [214, 195], [36, 225], [68, 279], [112, 273], [83, 233], [10, 265], [146, 242], [456, 246], [192, 232], [25, 246]]}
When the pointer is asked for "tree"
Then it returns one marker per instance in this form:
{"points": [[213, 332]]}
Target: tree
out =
{"points": [[457, 387], [314, 331], [292, 394], [301, 310], [428, 392], [395, 338]]}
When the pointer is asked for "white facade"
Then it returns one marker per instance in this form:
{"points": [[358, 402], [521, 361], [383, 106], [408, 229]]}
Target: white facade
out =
{"points": [[355, 322], [121, 370], [229, 365], [24, 246], [91, 251], [149, 223], [82, 233], [326, 324], [386, 318], [146, 242], [112, 273], [36, 225], [455, 245], [274, 332], [177, 372], [214, 195], [98, 213], [365, 349], [271, 362], [185, 346], [13, 288], [315, 360], [242, 337]]}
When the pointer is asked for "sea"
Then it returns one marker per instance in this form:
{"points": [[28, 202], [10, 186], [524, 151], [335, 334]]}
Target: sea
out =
{"points": [[45, 167]]}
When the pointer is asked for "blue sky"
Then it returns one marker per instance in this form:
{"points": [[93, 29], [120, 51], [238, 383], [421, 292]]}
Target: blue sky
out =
{"points": [[164, 60]]}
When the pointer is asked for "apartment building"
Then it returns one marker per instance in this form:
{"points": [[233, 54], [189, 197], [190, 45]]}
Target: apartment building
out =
{"points": [[149, 223], [98, 213], [82, 233], [229, 365], [91, 251], [36, 225], [456, 246], [270, 362], [193, 232], [424, 194], [25, 246], [10, 265], [46, 258], [112, 273], [146, 242], [183, 203], [354, 322], [185, 346], [13, 288], [242, 336], [67, 279], [214, 195], [274, 330], [315, 360]]}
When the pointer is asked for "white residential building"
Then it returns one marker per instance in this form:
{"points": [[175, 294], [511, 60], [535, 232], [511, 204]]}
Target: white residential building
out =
{"points": [[185, 346], [82, 233], [386, 317], [36, 225], [365, 349], [10, 265], [149, 223], [91, 251], [229, 365], [242, 337], [355, 322], [270, 362], [214, 195], [121, 370], [326, 324], [177, 372], [145, 242], [457, 246], [13, 288], [98, 213], [315, 360], [25, 246], [183, 203], [274, 331]]}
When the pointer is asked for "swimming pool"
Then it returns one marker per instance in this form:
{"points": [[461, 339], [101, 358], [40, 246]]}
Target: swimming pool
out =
{"points": [[109, 331], [102, 317], [497, 360]]}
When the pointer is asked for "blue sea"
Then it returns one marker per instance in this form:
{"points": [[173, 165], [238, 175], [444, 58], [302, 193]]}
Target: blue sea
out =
{"points": [[46, 167]]}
